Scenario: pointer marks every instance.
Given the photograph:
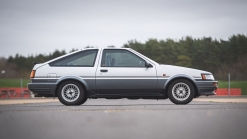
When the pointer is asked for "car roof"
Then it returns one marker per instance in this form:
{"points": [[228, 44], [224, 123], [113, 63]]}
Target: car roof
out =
{"points": [[106, 48]]}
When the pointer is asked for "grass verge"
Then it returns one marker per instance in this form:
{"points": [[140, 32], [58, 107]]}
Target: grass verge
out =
{"points": [[4, 83], [235, 84]]}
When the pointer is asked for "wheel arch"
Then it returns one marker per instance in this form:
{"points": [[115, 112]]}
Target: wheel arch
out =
{"points": [[181, 76], [70, 78]]}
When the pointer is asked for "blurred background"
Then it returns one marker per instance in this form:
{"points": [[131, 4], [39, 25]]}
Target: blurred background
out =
{"points": [[208, 35]]}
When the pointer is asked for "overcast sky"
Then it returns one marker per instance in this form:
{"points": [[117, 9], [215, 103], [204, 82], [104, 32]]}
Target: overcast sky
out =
{"points": [[33, 27]]}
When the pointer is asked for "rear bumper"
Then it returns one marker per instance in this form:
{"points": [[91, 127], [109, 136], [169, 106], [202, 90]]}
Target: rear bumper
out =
{"points": [[207, 87], [42, 88]]}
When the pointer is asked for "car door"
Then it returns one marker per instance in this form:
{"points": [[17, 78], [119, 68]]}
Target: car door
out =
{"points": [[123, 72]]}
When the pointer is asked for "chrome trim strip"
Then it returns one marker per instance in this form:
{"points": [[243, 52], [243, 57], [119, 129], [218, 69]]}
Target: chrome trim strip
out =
{"points": [[87, 77], [115, 77], [163, 76], [43, 83], [206, 81], [197, 77], [84, 77], [109, 77], [40, 77], [126, 77]]}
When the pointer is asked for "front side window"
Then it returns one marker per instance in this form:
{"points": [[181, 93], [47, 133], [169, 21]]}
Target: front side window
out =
{"points": [[121, 58], [80, 59]]}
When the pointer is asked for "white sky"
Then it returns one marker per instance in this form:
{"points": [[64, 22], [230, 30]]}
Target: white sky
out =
{"points": [[41, 26]]}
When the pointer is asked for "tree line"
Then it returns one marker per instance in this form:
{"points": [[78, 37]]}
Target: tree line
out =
{"points": [[217, 56]]}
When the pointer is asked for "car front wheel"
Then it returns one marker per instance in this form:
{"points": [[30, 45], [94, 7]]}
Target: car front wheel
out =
{"points": [[181, 91], [71, 93]]}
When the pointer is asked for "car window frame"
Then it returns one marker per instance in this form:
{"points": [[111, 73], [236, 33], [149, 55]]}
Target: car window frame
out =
{"points": [[119, 66], [78, 53]]}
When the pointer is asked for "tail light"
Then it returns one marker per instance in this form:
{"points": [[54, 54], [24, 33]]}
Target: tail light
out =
{"points": [[215, 84], [32, 74]]}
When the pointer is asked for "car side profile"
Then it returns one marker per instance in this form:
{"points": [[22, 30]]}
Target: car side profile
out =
{"points": [[115, 73]]}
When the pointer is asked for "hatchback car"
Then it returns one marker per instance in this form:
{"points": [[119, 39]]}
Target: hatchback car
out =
{"points": [[117, 73]]}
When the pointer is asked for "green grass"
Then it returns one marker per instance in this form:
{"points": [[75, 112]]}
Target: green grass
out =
{"points": [[13, 82], [235, 84], [222, 84]]}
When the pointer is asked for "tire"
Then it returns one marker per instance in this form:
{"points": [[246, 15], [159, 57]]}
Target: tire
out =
{"points": [[71, 93], [181, 91]]}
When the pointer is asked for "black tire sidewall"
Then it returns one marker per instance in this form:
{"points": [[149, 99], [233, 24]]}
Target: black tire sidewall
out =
{"points": [[192, 91], [82, 98]]}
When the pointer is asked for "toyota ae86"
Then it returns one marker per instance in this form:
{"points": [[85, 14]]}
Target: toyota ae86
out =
{"points": [[117, 73]]}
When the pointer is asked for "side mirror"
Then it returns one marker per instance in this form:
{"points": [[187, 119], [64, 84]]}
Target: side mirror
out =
{"points": [[147, 64]]}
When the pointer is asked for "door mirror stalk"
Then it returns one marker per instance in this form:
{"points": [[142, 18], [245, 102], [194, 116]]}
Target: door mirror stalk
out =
{"points": [[147, 64]]}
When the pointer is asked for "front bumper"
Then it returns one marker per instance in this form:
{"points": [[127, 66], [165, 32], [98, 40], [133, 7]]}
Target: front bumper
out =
{"points": [[207, 87], [42, 88]]}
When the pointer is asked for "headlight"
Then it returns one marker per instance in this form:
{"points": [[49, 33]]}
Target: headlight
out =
{"points": [[207, 77]]}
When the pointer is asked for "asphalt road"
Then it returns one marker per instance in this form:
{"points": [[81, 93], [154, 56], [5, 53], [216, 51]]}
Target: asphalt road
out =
{"points": [[124, 119]]}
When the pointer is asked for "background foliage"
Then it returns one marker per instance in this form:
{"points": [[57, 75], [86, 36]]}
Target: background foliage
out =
{"points": [[217, 56]]}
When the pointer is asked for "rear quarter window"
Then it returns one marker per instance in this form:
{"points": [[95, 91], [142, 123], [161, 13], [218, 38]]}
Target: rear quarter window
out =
{"points": [[84, 58]]}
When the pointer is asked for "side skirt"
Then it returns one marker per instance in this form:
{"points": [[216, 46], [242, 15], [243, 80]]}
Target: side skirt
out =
{"points": [[119, 96]]}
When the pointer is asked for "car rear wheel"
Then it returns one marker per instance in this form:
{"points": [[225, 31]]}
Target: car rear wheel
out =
{"points": [[71, 93], [181, 91]]}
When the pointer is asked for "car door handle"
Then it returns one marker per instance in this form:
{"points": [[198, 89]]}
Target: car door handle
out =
{"points": [[103, 70]]}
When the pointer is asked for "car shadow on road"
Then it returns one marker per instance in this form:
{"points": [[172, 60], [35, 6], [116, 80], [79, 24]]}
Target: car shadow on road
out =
{"points": [[148, 105], [51, 104]]}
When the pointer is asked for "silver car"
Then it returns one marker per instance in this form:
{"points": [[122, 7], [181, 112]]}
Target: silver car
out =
{"points": [[114, 73]]}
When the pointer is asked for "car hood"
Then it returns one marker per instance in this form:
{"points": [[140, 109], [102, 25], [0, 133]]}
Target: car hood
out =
{"points": [[171, 70]]}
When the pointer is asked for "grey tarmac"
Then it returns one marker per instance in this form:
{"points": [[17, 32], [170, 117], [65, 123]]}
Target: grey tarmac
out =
{"points": [[124, 119]]}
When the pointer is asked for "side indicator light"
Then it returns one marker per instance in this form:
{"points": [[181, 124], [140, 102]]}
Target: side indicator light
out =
{"points": [[32, 74], [215, 84], [204, 77]]}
